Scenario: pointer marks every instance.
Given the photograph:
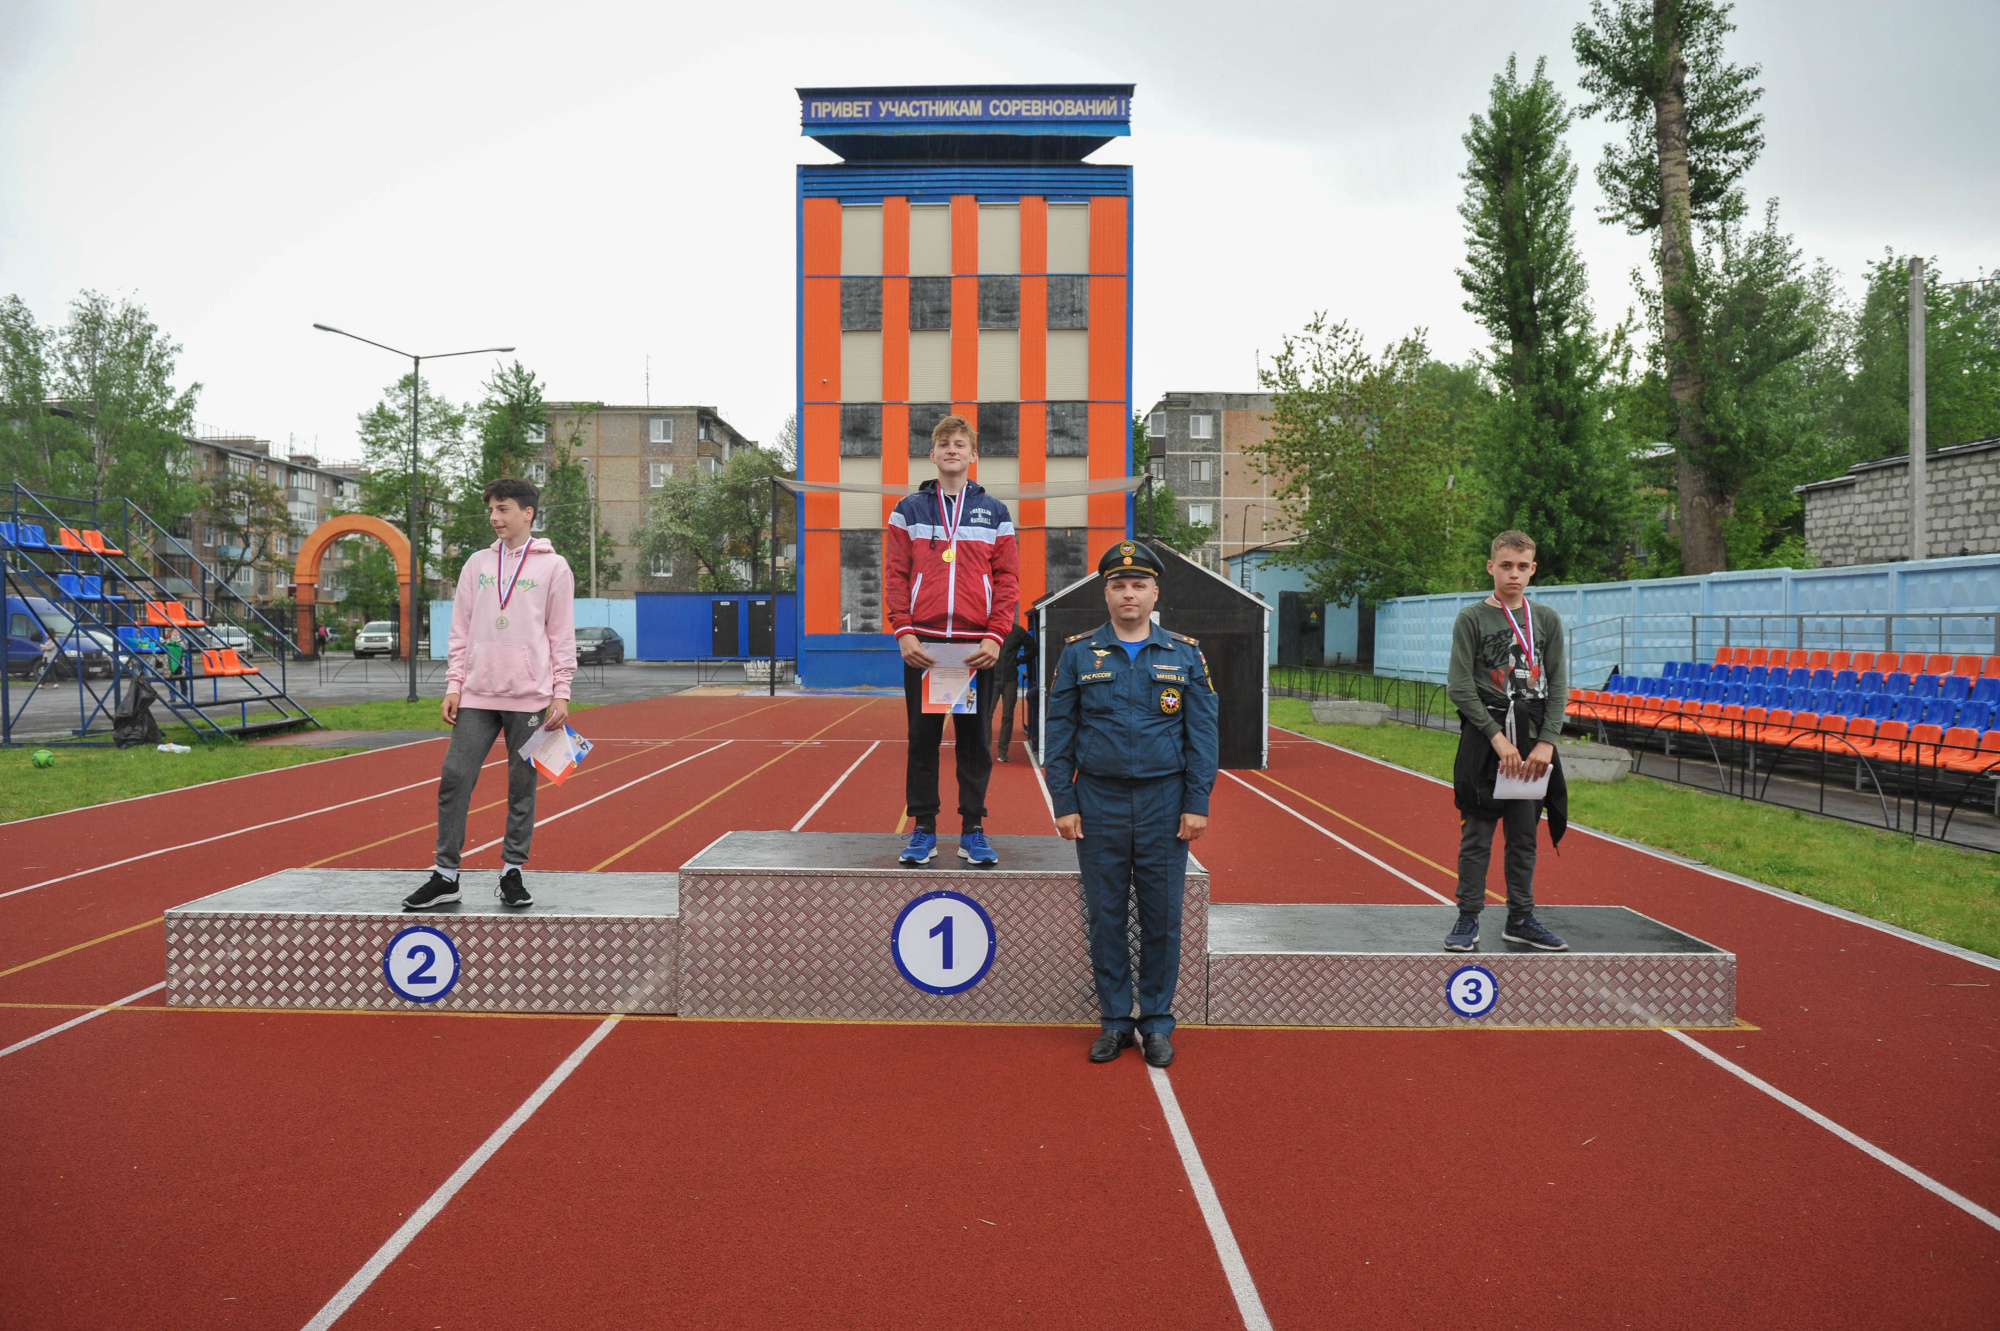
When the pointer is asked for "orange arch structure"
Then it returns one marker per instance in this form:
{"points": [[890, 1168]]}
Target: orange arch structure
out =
{"points": [[305, 575]]}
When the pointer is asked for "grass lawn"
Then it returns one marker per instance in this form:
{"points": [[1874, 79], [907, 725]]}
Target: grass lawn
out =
{"points": [[84, 776], [1928, 888]]}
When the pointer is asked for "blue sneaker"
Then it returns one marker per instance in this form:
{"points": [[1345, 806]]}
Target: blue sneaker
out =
{"points": [[974, 846], [1464, 936], [920, 849], [1529, 930]]}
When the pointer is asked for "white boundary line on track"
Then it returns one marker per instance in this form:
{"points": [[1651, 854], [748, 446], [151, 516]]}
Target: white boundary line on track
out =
{"points": [[1860, 1143], [1249, 1304], [219, 781], [19, 1045], [1341, 839], [575, 808], [836, 785], [358, 1283], [224, 836], [1794, 898]]}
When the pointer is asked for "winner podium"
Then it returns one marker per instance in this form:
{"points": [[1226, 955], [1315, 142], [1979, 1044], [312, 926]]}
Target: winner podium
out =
{"points": [[805, 925]]}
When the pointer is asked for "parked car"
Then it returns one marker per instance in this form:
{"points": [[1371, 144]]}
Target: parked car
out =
{"points": [[31, 620], [378, 637], [229, 635], [599, 647]]}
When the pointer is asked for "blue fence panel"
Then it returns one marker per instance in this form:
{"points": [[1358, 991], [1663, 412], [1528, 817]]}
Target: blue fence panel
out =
{"points": [[592, 612], [680, 626]]}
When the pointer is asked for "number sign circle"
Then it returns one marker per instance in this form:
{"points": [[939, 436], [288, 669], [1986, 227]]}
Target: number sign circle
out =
{"points": [[943, 943], [421, 964], [1472, 991]]}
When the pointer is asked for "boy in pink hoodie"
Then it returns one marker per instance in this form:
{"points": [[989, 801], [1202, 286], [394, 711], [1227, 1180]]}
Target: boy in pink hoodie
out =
{"points": [[513, 652]]}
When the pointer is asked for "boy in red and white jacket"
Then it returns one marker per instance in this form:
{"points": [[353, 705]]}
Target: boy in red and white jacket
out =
{"points": [[953, 575], [513, 653]]}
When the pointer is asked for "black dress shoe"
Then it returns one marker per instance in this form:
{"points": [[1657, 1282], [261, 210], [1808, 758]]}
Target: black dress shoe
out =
{"points": [[1159, 1049], [1109, 1045]]}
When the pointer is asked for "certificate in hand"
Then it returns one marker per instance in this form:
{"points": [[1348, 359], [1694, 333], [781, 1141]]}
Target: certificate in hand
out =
{"points": [[948, 684], [1515, 788]]}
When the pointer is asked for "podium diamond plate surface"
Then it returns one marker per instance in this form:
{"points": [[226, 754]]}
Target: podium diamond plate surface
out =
{"points": [[1386, 966], [798, 924], [314, 938]]}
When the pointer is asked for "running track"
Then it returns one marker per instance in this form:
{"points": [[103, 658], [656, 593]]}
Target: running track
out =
{"points": [[246, 1169]]}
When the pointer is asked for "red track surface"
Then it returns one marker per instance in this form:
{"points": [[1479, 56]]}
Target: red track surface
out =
{"points": [[199, 1169]]}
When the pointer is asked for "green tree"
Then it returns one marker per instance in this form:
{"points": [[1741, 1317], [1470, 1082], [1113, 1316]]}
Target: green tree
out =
{"points": [[31, 436], [253, 524], [1158, 514], [1658, 67], [442, 463], [1548, 466], [722, 522], [1961, 354], [367, 576], [510, 422], [1369, 454], [570, 507]]}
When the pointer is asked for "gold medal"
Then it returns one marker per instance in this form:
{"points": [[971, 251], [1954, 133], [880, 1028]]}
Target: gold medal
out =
{"points": [[500, 623], [948, 555]]}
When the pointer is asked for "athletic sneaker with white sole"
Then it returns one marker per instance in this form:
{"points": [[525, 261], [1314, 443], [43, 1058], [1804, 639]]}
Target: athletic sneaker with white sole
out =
{"points": [[438, 890], [1464, 936]]}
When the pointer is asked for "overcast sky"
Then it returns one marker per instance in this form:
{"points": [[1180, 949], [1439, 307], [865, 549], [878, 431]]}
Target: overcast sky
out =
{"points": [[597, 183]]}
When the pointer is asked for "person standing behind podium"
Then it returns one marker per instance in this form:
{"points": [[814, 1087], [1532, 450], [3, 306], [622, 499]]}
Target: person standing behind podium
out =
{"points": [[1132, 754], [951, 574]]}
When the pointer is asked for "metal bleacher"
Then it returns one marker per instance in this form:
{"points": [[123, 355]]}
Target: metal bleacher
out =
{"points": [[113, 587]]}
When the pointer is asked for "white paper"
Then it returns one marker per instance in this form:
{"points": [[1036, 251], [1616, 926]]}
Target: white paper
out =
{"points": [[1514, 788], [950, 655], [950, 686], [549, 750]]}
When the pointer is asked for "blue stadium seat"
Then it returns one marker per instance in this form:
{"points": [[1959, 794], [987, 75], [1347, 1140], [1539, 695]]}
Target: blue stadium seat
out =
{"points": [[1978, 715], [1733, 695], [1941, 712], [1799, 679], [1753, 696], [1924, 686], [1820, 701], [1909, 711], [1987, 690], [6, 533], [73, 587], [1798, 700], [1870, 681], [1955, 687], [1896, 683], [1759, 674], [1846, 703], [1671, 669], [1739, 674], [1846, 681], [1822, 679], [1696, 671], [1877, 706], [31, 537]]}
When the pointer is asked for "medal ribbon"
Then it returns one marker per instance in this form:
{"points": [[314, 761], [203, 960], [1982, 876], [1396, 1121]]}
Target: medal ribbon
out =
{"points": [[949, 514], [1527, 640], [505, 584]]}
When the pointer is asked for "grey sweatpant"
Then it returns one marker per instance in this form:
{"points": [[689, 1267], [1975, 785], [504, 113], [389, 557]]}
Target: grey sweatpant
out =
{"points": [[1475, 852], [471, 740]]}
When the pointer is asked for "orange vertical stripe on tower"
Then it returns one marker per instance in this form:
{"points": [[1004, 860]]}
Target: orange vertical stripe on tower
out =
{"points": [[1109, 426], [895, 345], [964, 303], [819, 427], [1031, 515]]}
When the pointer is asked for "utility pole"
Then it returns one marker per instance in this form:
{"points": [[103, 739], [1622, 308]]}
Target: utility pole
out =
{"points": [[1919, 496]]}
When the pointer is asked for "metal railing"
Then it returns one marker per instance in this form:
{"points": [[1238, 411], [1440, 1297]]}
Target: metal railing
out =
{"points": [[1643, 644], [1416, 701]]}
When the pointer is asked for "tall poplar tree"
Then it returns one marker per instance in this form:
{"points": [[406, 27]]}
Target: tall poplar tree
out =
{"points": [[1549, 466], [1658, 67]]}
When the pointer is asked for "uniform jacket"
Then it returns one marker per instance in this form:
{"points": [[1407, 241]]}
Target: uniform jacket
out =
{"points": [[526, 664], [972, 595], [1113, 716]]}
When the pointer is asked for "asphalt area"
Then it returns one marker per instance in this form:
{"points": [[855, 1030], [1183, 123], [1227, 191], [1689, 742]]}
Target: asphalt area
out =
{"points": [[1834, 1161]]}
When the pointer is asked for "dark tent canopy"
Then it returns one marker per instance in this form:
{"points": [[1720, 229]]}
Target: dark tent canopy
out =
{"points": [[1230, 624]]}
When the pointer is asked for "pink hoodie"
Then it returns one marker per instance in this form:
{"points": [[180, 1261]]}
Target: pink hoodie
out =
{"points": [[524, 665]]}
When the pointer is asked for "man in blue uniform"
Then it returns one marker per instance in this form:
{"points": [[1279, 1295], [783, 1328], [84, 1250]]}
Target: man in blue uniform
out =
{"points": [[1131, 761]]}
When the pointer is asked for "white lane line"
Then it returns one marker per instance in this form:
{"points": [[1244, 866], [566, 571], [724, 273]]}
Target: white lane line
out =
{"points": [[1783, 894], [1042, 781], [224, 836], [19, 1045], [544, 822], [358, 1284], [219, 781], [1341, 839], [1248, 1304], [836, 785], [1916, 1176]]}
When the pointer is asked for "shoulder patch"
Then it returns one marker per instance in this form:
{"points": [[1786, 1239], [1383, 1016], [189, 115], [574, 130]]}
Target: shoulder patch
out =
{"points": [[1182, 637], [1079, 637]]}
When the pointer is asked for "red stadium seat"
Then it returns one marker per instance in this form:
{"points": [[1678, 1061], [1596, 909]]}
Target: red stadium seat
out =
{"points": [[1840, 661], [1992, 670], [1961, 752], [1816, 660], [1862, 661], [1760, 656], [1912, 664], [1888, 742], [1724, 655], [1967, 666], [1796, 659], [1937, 663]]}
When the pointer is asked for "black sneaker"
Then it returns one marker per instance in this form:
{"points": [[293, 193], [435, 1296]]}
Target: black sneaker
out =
{"points": [[512, 891], [1159, 1049], [1464, 936], [1529, 930], [1109, 1044], [437, 891]]}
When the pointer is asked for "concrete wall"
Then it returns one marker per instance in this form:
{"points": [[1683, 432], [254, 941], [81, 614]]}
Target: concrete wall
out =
{"points": [[1864, 516], [1941, 605]]}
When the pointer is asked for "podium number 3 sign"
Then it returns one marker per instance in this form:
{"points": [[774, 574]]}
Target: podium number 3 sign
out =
{"points": [[943, 943]]}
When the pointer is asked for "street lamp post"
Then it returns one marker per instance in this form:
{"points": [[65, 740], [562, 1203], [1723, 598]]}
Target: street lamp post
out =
{"points": [[416, 387]]}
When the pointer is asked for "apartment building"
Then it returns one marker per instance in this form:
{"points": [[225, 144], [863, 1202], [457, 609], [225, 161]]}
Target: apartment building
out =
{"points": [[313, 493], [630, 452], [1199, 450]]}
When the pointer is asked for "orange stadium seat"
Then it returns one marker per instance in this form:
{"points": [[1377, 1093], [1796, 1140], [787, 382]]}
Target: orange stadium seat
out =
{"points": [[1862, 661], [1760, 656], [98, 544], [1967, 666], [1840, 661], [1937, 663], [1816, 660]]}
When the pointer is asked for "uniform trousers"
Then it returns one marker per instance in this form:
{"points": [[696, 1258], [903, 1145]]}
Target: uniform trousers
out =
{"points": [[471, 740], [1131, 849]]}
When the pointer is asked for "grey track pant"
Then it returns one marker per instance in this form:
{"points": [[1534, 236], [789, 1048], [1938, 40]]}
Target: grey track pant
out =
{"points": [[1475, 852], [471, 740]]}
